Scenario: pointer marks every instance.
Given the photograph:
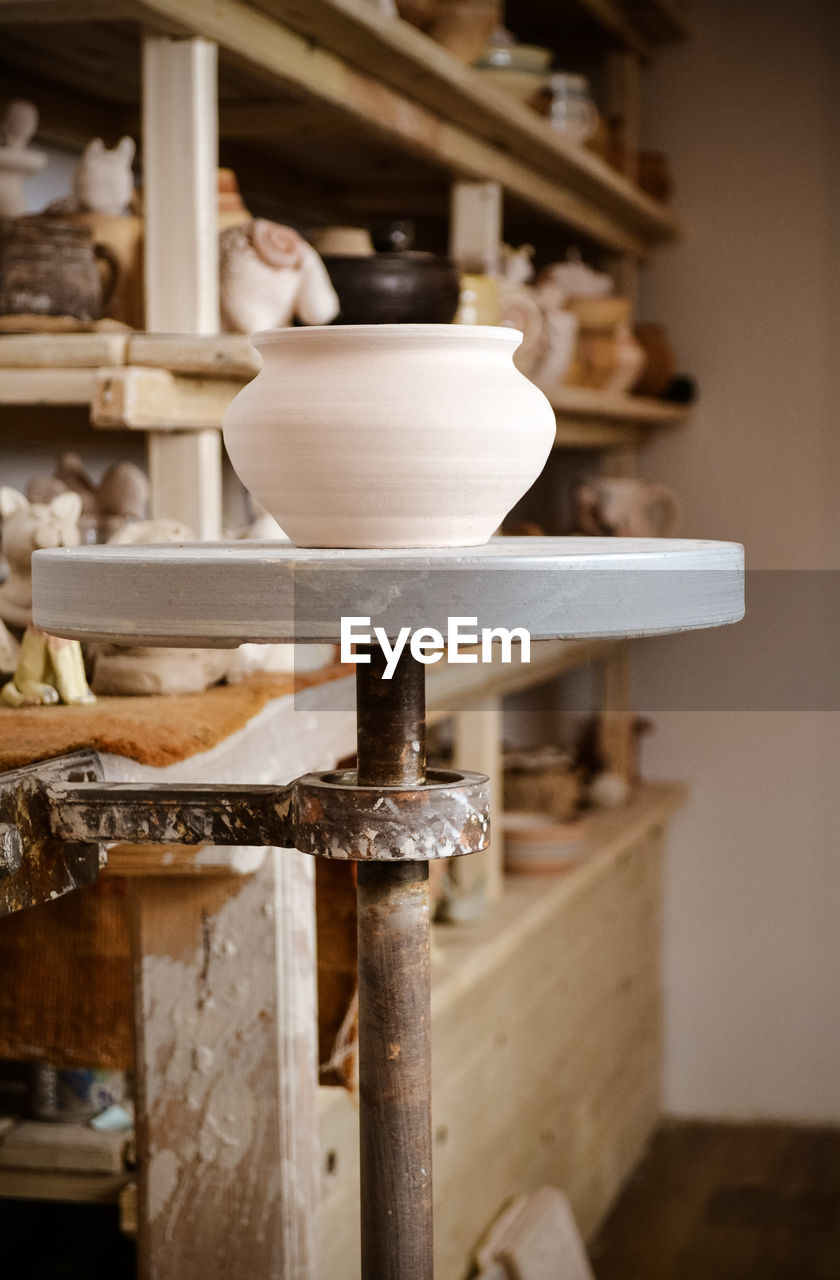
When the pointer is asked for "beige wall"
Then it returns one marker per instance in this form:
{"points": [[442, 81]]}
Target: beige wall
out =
{"points": [[750, 114]]}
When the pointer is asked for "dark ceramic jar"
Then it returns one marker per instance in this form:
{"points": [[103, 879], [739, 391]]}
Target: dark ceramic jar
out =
{"points": [[396, 285]]}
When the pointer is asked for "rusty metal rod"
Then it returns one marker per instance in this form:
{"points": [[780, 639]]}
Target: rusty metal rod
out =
{"points": [[395, 1062]]}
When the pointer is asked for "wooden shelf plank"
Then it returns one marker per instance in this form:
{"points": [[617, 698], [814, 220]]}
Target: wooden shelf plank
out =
{"points": [[463, 956], [78, 1188], [47, 386], [457, 688], [588, 419], [642, 410]]}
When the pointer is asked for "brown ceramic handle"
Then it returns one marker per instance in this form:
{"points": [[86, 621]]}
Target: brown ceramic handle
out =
{"points": [[106, 255]]}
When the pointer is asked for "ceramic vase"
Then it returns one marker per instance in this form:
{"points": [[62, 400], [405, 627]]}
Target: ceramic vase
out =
{"points": [[389, 435]]}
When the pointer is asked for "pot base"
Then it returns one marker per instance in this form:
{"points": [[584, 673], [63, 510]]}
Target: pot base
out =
{"points": [[389, 532]]}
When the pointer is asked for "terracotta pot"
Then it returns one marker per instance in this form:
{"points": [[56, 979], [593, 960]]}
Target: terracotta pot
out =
{"points": [[49, 267], [389, 435], [661, 363], [464, 26]]}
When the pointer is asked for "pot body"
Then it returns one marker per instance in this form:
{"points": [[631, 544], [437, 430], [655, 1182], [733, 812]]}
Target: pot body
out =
{"points": [[389, 435], [394, 288]]}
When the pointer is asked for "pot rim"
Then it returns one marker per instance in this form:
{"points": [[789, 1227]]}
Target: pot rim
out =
{"points": [[390, 333]]}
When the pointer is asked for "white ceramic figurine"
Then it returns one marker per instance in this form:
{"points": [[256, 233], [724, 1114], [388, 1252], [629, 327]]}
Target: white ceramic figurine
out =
{"points": [[49, 669], [268, 276]]}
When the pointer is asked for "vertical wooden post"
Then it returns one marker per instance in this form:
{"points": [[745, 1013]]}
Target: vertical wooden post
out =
{"points": [[616, 717], [475, 226], [477, 744], [226, 1074], [624, 105], [180, 160]]}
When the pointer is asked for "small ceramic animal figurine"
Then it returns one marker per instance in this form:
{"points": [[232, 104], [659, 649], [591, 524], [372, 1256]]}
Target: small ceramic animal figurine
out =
{"points": [[120, 498], [268, 276], [102, 180], [18, 124], [9, 650], [49, 669], [136, 669]]}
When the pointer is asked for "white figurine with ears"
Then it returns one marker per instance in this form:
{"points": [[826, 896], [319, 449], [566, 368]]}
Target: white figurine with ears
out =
{"points": [[268, 276], [102, 180], [49, 669]]}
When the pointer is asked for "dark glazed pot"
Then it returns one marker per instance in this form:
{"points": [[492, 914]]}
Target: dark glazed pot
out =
{"points": [[394, 288], [51, 268]]}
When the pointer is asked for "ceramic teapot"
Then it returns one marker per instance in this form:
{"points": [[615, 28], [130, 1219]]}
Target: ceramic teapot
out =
{"points": [[50, 267]]}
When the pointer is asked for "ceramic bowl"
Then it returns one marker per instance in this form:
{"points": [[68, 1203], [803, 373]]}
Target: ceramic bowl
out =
{"points": [[394, 288], [522, 84], [389, 435], [516, 57]]}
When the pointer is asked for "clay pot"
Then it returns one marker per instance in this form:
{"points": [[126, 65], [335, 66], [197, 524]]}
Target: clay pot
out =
{"points": [[419, 12], [49, 267], [464, 26], [389, 435], [660, 361], [394, 288]]}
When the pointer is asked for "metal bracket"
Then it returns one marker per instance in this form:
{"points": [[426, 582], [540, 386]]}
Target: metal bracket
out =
{"points": [[36, 865], [54, 815]]}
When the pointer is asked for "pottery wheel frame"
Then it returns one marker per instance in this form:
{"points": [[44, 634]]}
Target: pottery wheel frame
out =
{"points": [[226, 594]]}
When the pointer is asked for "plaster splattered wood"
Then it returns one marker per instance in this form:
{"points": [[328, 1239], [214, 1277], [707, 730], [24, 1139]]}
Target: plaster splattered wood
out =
{"points": [[225, 1073], [218, 594]]}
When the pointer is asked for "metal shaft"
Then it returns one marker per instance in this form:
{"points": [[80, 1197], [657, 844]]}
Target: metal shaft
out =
{"points": [[395, 1064]]}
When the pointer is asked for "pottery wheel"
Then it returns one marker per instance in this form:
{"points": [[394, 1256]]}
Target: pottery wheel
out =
{"points": [[218, 594]]}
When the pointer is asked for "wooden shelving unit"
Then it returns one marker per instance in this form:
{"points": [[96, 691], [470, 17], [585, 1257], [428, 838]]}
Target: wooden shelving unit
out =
{"points": [[365, 108], [585, 1078]]}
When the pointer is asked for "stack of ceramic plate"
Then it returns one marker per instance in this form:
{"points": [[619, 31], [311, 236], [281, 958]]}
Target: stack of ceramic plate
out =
{"points": [[535, 842]]}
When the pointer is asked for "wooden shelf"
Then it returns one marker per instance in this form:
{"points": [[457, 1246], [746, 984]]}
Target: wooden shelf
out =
{"points": [[588, 419], [346, 96], [450, 689], [165, 382]]}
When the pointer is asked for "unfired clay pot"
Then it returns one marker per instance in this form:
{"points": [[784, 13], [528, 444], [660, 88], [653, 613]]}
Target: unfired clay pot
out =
{"points": [[389, 435]]}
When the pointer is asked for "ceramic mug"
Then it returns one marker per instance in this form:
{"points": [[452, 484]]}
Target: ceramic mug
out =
{"points": [[625, 507]]}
